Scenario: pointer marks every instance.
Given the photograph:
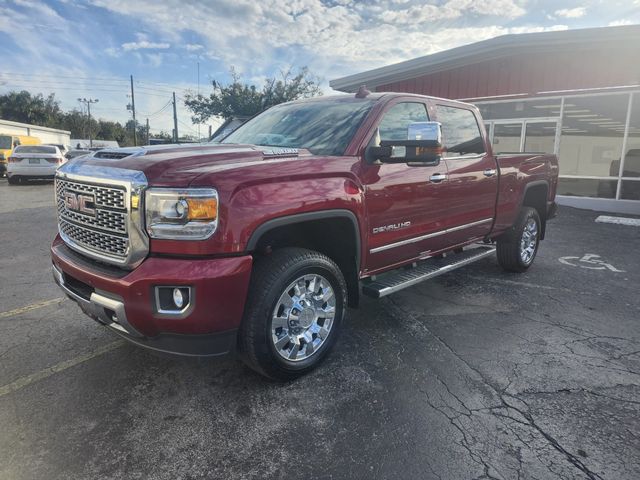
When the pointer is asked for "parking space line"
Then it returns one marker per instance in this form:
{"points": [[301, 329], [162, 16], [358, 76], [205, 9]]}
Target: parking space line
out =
{"points": [[28, 308], [632, 222], [516, 283], [60, 367]]}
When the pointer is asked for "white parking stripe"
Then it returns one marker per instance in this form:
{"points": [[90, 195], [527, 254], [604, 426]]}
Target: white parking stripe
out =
{"points": [[60, 367], [632, 222], [28, 308]]}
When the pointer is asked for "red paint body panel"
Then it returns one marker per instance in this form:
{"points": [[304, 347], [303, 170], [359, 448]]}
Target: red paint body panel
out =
{"points": [[220, 285], [255, 187]]}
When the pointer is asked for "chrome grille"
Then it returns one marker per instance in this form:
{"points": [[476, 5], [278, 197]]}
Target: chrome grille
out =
{"points": [[106, 233], [106, 196], [102, 242]]}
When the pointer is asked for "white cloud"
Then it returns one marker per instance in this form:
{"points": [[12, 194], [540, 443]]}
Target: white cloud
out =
{"points": [[571, 12], [332, 39], [155, 59], [144, 45], [619, 23]]}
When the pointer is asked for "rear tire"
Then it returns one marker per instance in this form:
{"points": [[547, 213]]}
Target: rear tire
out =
{"points": [[13, 180], [296, 304], [517, 248]]}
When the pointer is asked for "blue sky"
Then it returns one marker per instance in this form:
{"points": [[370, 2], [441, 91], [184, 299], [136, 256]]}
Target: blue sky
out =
{"points": [[89, 48]]}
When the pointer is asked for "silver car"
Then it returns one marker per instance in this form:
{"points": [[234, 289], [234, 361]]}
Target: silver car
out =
{"points": [[33, 162]]}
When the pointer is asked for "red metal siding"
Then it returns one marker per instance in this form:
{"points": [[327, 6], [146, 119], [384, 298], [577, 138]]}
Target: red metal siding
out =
{"points": [[530, 73]]}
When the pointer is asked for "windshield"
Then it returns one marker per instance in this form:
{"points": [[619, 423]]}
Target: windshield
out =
{"points": [[322, 127], [5, 142], [35, 149]]}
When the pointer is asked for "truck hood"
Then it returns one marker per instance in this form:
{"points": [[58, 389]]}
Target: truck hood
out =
{"points": [[179, 165]]}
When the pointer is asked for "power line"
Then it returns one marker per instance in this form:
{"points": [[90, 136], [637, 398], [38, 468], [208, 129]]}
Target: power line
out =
{"points": [[46, 87], [149, 115], [54, 82], [103, 81], [193, 130], [30, 75]]}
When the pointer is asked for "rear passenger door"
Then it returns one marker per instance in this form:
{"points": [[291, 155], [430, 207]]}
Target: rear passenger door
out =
{"points": [[473, 174]]}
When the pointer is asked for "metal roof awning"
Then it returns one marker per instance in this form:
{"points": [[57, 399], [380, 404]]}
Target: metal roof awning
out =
{"points": [[487, 50]]}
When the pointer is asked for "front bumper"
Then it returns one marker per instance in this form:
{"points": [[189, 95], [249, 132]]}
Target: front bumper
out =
{"points": [[123, 301]]}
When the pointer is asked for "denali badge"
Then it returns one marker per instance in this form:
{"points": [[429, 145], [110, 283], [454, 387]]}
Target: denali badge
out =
{"points": [[390, 228], [78, 202]]}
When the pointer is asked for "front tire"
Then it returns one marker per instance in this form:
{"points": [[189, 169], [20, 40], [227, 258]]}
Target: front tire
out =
{"points": [[518, 247], [295, 307], [13, 180]]}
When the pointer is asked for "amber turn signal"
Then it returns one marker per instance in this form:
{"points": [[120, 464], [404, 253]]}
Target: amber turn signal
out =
{"points": [[203, 209]]}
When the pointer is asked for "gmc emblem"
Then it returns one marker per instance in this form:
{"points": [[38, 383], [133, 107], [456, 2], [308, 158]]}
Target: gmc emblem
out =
{"points": [[81, 203]]}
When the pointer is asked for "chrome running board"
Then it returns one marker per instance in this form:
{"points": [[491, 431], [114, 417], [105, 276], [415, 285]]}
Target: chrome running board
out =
{"points": [[397, 280]]}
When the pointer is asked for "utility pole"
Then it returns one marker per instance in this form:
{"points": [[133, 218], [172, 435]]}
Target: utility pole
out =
{"points": [[88, 103], [209, 137], [175, 120], [147, 131], [133, 109]]}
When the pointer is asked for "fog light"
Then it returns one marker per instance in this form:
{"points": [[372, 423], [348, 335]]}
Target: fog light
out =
{"points": [[172, 300], [178, 299]]}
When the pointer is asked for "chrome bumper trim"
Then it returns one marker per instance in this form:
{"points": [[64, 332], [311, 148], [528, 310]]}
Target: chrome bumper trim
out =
{"points": [[96, 305]]}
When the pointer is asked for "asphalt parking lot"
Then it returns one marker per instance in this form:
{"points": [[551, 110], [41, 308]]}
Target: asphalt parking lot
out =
{"points": [[476, 374]]}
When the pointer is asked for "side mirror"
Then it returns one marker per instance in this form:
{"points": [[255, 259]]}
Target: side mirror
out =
{"points": [[424, 146]]}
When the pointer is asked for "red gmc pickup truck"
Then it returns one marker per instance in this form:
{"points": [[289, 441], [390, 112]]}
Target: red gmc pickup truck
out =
{"points": [[259, 243]]}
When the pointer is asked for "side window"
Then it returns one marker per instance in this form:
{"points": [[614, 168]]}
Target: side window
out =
{"points": [[460, 131], [395, 123]]}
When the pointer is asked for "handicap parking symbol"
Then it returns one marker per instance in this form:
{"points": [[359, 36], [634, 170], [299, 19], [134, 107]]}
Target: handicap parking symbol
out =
{"points": [[590, 261]]}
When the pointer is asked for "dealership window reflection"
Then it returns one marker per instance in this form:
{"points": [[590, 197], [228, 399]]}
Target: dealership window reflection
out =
{"points": [[591, 143], [630, 188]]}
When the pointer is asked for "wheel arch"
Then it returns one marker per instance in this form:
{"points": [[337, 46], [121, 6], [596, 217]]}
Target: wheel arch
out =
{"points": [[322, 231], [535, 195]]}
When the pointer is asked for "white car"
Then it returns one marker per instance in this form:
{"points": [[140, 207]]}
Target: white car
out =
{"points": [[33, 162]]}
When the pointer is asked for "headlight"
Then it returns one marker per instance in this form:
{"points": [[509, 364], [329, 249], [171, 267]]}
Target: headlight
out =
{"points": [[181, 214]]}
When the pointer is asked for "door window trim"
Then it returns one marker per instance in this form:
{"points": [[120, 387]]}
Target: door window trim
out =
{"points": [[372, 131], [476, 116]]}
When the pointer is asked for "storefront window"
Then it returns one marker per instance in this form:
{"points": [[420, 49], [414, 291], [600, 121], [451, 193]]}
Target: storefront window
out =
{"points": [[549, 108], [592, 133], [540, 136], [589, 146], [630, 189], [587, 187], [506, 137]]}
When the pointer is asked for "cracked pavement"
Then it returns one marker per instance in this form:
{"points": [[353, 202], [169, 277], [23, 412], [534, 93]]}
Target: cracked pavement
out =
{"points": [[477, 374]]}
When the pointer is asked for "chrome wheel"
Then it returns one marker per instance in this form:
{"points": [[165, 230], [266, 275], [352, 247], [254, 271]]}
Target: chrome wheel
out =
{"points": [[529, 241], [303, 317]]}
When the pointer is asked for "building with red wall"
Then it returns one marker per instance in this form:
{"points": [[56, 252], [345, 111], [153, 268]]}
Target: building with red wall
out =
{"points": [[572, 92]]}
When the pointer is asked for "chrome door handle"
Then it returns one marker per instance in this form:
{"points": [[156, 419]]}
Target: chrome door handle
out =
{"points": [[437, 177], [489, 172]]}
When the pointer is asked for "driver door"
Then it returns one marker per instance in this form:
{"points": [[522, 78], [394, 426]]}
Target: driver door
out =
{"points": [[406, 205]]}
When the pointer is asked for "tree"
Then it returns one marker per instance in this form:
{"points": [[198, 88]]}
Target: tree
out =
{"points": [[76, 122], [108, 130], [26, 108], [239, 99]]}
